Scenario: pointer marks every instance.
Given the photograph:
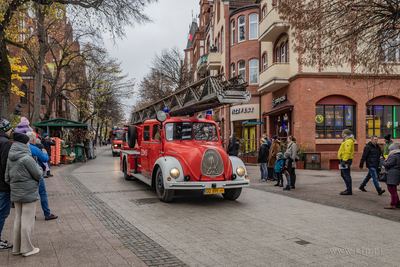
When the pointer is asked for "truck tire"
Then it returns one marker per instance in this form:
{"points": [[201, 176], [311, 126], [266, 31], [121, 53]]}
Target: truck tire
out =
{"points": [[131, 136], [232, 194], [126, 176], [165, 195]]}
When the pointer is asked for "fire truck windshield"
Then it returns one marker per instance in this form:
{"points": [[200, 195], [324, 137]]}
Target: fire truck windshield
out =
{"points": [[205, 131], [178, 131], [117, 135]]}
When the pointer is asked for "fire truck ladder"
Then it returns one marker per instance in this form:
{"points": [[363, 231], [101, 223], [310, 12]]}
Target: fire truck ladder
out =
{"points": [[208, 93]]}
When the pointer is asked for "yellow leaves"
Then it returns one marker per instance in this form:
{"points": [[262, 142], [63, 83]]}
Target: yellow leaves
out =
{"points": [[16, 68]]}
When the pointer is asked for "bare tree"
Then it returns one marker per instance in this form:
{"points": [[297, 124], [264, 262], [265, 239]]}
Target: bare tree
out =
{"points": [[153, 87]]}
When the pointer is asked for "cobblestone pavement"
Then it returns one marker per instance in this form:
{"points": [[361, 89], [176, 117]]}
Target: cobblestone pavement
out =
{"points": [[107, 221]]}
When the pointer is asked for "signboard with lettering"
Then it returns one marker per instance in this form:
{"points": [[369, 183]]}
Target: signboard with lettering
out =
{"points": [[278, 100], [242, 110]]}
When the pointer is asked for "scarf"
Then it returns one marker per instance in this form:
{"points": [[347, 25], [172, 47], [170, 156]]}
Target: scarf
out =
{"points": [[392, 152]]}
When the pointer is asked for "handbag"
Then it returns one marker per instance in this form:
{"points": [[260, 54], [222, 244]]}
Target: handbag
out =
{"points": [[382, 177]]}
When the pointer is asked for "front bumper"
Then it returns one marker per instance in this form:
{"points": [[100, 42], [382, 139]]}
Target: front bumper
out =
{"points": [[203, 185], [116, 149]]}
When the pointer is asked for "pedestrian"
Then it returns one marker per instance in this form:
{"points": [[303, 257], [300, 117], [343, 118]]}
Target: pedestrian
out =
{"points": [[237, 145], [392, 164], [87, 148], [386, 145], [63, 151], [274, 149], [42, 157], [263, 158], [280, 163], [43, 165], [287, 169], [230, 150], [5, 197], [345, 155], [23, 175], [48, 143], [265, 136], [371, 155], [292, 148]]}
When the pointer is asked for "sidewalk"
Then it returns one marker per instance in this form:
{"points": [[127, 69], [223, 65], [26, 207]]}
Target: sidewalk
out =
{"points": [[76, 238], [324, 186]]}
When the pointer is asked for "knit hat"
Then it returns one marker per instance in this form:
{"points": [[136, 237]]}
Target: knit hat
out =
{"points": [[279, 155], [275, 137], [22, 138], [387, 137], [394, 146], [23, 119], [5, 125], [347, 131], [45, 135], [38, 141], [287, 154], [263, 140]]}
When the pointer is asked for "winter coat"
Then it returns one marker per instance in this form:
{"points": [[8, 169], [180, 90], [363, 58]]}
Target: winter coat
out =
{"points": [[292, 148], [279, 164], [237, 145], [87, 143], [47, 145], [23, 174], [64, 147], [5, 145], [231, 148], [346, 150], [392, 165], [23, 128], [275, 148], [371, 155], [386, 145], [36, 152], [288, 166], [263, 153]]}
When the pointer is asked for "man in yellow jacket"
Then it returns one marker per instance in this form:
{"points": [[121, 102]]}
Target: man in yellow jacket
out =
{"points": [[345, 155]]}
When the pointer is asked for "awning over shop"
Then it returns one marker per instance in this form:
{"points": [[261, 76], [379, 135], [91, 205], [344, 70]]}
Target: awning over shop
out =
{"points": [[59, 122], [279, 110]]}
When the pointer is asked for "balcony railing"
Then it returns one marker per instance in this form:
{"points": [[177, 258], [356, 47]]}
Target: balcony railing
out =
{"points": [[214, 61], [274, 77], [271, 26], [202, 61]]}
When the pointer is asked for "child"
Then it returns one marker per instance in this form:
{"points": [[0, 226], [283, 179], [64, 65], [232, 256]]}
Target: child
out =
{"points": [[279, 164], [287, 169]]}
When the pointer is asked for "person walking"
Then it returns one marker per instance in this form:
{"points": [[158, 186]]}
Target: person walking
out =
{"points": [[42, 157], [263, 158], [275, 148], [392, 165], [292, 148], [372, 153], [48, 143], [386, 145], [279, 168], [287, 169], [5, 198], [63, 151], [23, 175], [345, 155]]}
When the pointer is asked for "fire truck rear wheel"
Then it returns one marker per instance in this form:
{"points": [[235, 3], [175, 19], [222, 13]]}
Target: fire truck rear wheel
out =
{"points": [[165, 195], [232, 194]]}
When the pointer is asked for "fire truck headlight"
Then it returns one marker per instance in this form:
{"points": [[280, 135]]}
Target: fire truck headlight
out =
{"points": [[174, 173], [115, 145], [240, 171]]}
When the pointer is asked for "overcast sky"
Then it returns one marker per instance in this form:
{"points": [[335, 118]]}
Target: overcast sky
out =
{"points": [[169, 29]]}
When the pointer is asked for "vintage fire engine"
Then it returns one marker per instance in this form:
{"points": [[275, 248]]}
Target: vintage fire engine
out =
{"points": [[183, 153], [116, 141]]}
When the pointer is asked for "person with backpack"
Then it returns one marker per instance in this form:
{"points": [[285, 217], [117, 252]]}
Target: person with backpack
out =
{"points": [[279, 167]]}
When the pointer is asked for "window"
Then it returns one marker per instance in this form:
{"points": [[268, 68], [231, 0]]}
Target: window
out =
{"points": [[24, 99], [277, 53], [253, 71], [383, 120], [264, 11], [253, 26], [178, 131], [264, 61], [205, 131], [281, 50], [283, 53], [156, 132], [233, 70], [233, 32], [222, 40], [219, 42], [331, 120], [390, 47], [43, 98], [21, 30], [242, 29], [242, 69]]}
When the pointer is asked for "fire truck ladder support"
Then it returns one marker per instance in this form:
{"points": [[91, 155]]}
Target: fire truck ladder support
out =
{"points": [[208, 93]]}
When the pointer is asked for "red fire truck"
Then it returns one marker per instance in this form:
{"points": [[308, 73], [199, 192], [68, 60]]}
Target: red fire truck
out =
{"points": [[181, 153], [116, 141]]}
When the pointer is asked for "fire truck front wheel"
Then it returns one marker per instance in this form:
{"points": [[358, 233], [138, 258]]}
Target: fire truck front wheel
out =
{"points": [[126, 176], [165, 195], [232, 194]]}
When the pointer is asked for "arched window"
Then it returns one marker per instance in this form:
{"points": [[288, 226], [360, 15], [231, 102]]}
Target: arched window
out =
{"points": [[43, 98], [281, 49], [283, 53], [383, 114], [253, 26], [233, 70], [277, 55], [253, 71], [242, 69], [233, 32], [222, 40], [24, 99], [219, 42], [264, 61], [264, 11], [242, 29]]}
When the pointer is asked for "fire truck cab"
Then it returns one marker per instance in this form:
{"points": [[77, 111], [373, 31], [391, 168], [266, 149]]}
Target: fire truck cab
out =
{"points": [[181, 153], [116, 141]]}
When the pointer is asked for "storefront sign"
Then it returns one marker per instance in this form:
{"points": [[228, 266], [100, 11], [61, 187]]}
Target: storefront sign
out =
{"points": [[278, 100], [242, 110]]}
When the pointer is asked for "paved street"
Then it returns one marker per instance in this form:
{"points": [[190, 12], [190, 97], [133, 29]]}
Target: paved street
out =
{"points": [[107, 221]]}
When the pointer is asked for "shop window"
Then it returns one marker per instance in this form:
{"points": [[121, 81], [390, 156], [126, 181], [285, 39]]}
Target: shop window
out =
{"points": [[253, 71], [233, 32], [242, 29], [253, 26], [24, 99], [242, 69], [383, 120], [331, 120], [264, 61], [233, 70]]}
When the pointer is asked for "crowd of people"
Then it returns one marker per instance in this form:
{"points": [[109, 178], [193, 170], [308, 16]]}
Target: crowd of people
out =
{"points": [[24, 164]]}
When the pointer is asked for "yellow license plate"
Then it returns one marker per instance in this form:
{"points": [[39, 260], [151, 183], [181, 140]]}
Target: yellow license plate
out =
{"points": [[214, 191]]}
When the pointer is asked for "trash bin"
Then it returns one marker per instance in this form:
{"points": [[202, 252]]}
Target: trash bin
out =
{"points": [[312, 161]]}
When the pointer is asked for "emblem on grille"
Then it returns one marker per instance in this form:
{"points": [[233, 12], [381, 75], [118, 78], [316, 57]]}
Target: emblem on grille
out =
{"points": [[211, 164]]}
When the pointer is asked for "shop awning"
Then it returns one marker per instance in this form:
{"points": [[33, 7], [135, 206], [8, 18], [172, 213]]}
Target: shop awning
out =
{"points": [[59, 122], [279, 110]]}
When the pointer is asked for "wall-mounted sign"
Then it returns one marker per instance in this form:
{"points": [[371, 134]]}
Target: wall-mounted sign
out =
{"points": [[242, 110], [278, 100]]}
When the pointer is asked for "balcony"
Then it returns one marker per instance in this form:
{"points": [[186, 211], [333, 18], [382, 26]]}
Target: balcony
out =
{"points": [[271, 27], [214, 61], [202, 64], [274, 77]]}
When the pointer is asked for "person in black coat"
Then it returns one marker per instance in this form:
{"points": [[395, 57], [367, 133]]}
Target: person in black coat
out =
{"points": [[392, 165], [231, 147], [287, 169], [263, 159], [48, 143], [371, 155]]}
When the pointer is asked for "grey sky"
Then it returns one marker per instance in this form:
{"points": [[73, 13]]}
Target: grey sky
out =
{"points": [[170, 28]]}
